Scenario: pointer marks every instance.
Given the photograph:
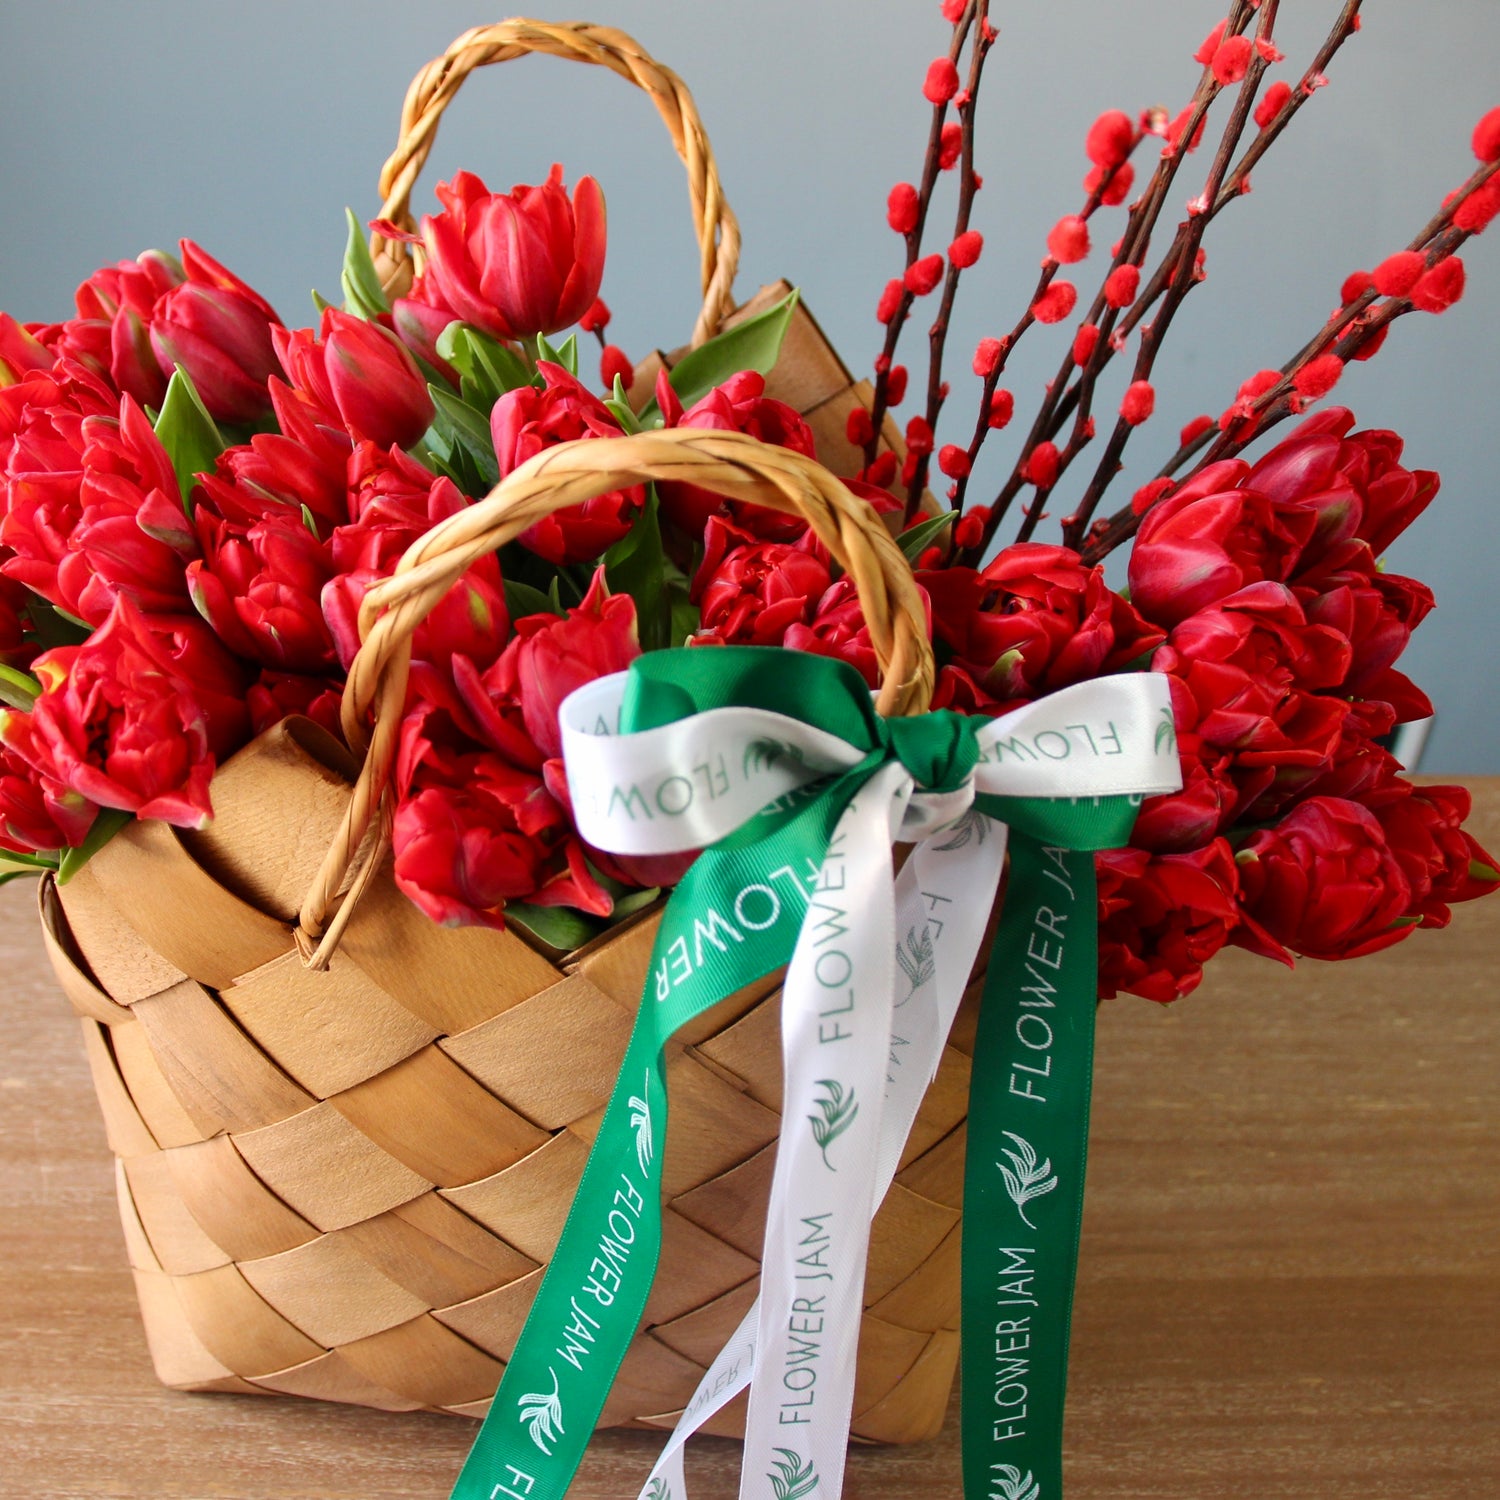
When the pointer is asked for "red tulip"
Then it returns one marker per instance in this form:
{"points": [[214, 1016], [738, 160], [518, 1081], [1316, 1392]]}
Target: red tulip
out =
{"points": [[1325, 883], [519, 263], [259, 587], [115, 308], [305, 464], [358, 375], [1035, 619], [394, 501], [1442, 862], [37, 815], [749, 592], [137, 716], [551, 656], [42, 444], [526, 421], [739, 405], [1162, 917], [219, 331], [132, 537]]}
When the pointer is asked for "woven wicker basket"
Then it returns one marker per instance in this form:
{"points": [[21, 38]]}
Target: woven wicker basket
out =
{"points": [[347, 1138]]}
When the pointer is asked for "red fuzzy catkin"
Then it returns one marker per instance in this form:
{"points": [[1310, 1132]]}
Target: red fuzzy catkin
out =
{"points": [[1318, 376], [901, 208], [1110, 139], [1397, 274], [895, 385], [941, 83], [1085, 341], [882, 471], [1148, 494], [1276, 99], [968, 530], [596, 319], [1043, 466], [1205, 53], [1139, 402], [890, 301], [1177, 131], [1122, 286], [1068, 243], [1232, 59], [987, 355], [953, 11], [918, 436], [950, 145], [1002, 409], [954, 461], [1487, 136], [1356, 284], [1195, 429], [1441, 287], [923, 275], [1371, 349], [966, 249], [1480, 209], [1117, 190], [614, 361], [1055, 303], [858, 427]]}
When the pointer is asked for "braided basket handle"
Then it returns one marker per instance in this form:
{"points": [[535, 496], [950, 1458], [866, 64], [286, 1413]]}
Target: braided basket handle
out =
{"points": [[729, 463], [433, 89]]}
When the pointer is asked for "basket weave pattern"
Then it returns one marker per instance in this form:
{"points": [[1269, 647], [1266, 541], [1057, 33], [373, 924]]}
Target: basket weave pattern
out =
{"points": [[344, 1184]]}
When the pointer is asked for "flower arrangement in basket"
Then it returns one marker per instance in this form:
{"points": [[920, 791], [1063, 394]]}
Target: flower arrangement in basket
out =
{"points": [[370, 685]]}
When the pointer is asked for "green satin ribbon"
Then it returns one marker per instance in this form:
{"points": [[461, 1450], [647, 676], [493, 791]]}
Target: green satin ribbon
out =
{"points": [[591, 1299]]}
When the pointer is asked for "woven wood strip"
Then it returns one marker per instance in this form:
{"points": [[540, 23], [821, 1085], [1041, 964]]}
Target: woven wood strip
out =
{"points": [[434, 88]]}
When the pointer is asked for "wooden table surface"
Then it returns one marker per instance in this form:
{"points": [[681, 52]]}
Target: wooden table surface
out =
{"points": [[1290, 1279]]}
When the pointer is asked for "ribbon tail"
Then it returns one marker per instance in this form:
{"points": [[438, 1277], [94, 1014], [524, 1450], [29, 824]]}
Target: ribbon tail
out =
{"points": [[1024, 1173]]}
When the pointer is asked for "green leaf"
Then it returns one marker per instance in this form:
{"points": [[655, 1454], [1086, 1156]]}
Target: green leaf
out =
{"points": [[321, 304], [619, 407], [917, 539], [564, 354], [628, 905], [19, 866], [363, 294], [636, 565], [685, 618], [754, 344], [559, 927], [54, 627], [109, 822], [522, 600], [18, 689], [190, 436], [487, 369], [461, 424]]}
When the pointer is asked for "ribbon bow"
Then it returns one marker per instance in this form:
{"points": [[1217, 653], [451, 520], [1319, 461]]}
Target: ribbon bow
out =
{"points": [[775, 764]]}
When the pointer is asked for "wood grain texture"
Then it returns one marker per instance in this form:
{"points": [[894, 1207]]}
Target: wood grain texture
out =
{"points": [[1290, 1284]]}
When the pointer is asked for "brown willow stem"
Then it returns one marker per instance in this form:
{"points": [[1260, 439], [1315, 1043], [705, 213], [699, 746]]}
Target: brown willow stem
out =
{"points": [[1190, 237], [967, 187], [930, 169]]}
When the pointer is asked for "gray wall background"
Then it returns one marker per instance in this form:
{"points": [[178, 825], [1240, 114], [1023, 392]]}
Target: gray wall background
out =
{"points": [[248, 126]]}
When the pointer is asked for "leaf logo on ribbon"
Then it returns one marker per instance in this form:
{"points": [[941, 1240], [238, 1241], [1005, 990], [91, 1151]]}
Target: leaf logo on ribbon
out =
{"points": [[1166, 732], [640, 1122], [542, 1414], [792, 1478], [1029, 1179], [658, 1490], [973, 825], [1013, 1485], [915, 958], [839, 1110]]}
